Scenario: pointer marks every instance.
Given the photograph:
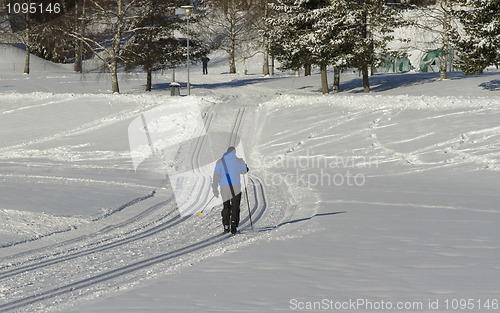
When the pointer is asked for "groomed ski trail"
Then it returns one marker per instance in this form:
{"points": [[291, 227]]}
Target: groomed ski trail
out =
{"points": [[143, 239]]}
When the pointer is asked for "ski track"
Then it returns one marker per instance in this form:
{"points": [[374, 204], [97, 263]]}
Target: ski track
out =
{"points": [[35, 106], [82, 129], [101, 240], [157, 223], [42, 265], [66, 180], [455, 147]]}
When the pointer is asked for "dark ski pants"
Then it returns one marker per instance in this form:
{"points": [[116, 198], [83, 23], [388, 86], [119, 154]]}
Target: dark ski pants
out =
{"points": [[231, 211], [205, 70]]}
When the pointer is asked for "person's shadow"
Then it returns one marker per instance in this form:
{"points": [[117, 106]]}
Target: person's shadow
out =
{"points": [[301, 220]]}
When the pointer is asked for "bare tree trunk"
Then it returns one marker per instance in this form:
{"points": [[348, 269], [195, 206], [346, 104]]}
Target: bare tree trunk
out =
{"points": [[446, 40], [336, 79], [366, 79], [232, 61], [232, 58], [232, 46], [307, 69], [272, 64], [266, 43], [115, 88], [444, 62], [366, 58], [80, 23], [266, 58], [324, 79], [27, 60], [78, 57], [116, 48], [27, 43], [149, 79]]}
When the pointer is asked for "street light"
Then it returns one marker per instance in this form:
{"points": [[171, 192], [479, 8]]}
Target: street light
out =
{"points": [[188, 10]]}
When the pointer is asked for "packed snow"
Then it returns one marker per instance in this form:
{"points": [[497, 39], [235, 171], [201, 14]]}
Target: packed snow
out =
{"points": [[379, 202]]}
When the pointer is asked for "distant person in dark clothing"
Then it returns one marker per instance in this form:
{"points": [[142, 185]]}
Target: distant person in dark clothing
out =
{"points": [[204, 60]]}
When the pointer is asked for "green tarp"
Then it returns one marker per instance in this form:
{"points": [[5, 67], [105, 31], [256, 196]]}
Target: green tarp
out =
{"points": [[431, 62], [395, 65]]}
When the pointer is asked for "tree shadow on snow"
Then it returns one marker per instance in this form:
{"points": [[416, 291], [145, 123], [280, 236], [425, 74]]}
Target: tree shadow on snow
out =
{"points": [[493, 85], [384, 82], [389, 81], [233, 83]]}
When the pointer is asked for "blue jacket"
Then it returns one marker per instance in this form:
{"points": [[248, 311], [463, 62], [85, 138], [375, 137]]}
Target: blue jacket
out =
{"points": [[235, 167]]}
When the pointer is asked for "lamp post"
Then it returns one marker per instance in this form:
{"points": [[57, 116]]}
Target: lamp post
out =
{"points": [[188, 10]]}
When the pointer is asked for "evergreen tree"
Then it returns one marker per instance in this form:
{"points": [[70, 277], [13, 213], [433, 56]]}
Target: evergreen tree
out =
{"points": [[316, 32], [153, 45], [152, 33], [332, 32], [373, 24], [479, 47]]}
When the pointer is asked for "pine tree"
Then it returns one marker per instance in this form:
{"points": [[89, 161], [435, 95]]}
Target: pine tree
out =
{"points": [[311, 32], [479, 46], [288, 27], [153, 45], [152, 33], [374, 21], [332, 32]]}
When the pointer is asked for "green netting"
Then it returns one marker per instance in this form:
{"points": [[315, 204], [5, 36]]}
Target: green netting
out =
{"points": [[395, 65], [431, 62]]}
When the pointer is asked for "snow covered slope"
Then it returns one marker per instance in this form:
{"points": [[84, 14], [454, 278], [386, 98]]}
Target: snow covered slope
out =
{"points": [[12, 60], [384, 198], [396, 203]]}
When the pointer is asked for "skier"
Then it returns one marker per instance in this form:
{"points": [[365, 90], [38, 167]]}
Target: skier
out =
{"points": [[227, 174], [204, 60]]}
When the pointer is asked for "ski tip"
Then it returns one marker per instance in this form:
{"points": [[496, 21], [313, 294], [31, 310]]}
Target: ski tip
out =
{"points": [[200, 213]]}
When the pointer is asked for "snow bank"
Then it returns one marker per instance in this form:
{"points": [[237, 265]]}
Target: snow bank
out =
{"points": [[13, 58], [379, 102], [22, 226]]}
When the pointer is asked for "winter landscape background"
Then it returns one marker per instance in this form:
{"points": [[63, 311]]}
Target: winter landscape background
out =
{"points": [[378, 202]]}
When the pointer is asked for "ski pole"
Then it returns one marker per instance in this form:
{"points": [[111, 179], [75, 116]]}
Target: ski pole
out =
{"points": [[206, 206], [248, 203]]}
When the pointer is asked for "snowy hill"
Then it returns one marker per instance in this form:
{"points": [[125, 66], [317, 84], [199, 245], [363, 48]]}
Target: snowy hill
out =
{"points": [[358, 201], [12, 60]]}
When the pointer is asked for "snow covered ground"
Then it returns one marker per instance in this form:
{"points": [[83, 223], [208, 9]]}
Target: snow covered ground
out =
{"points": [[380, 202]]}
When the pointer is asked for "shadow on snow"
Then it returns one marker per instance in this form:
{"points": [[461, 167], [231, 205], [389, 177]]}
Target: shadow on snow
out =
{"points": [[300, 220], [232, 83]]}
